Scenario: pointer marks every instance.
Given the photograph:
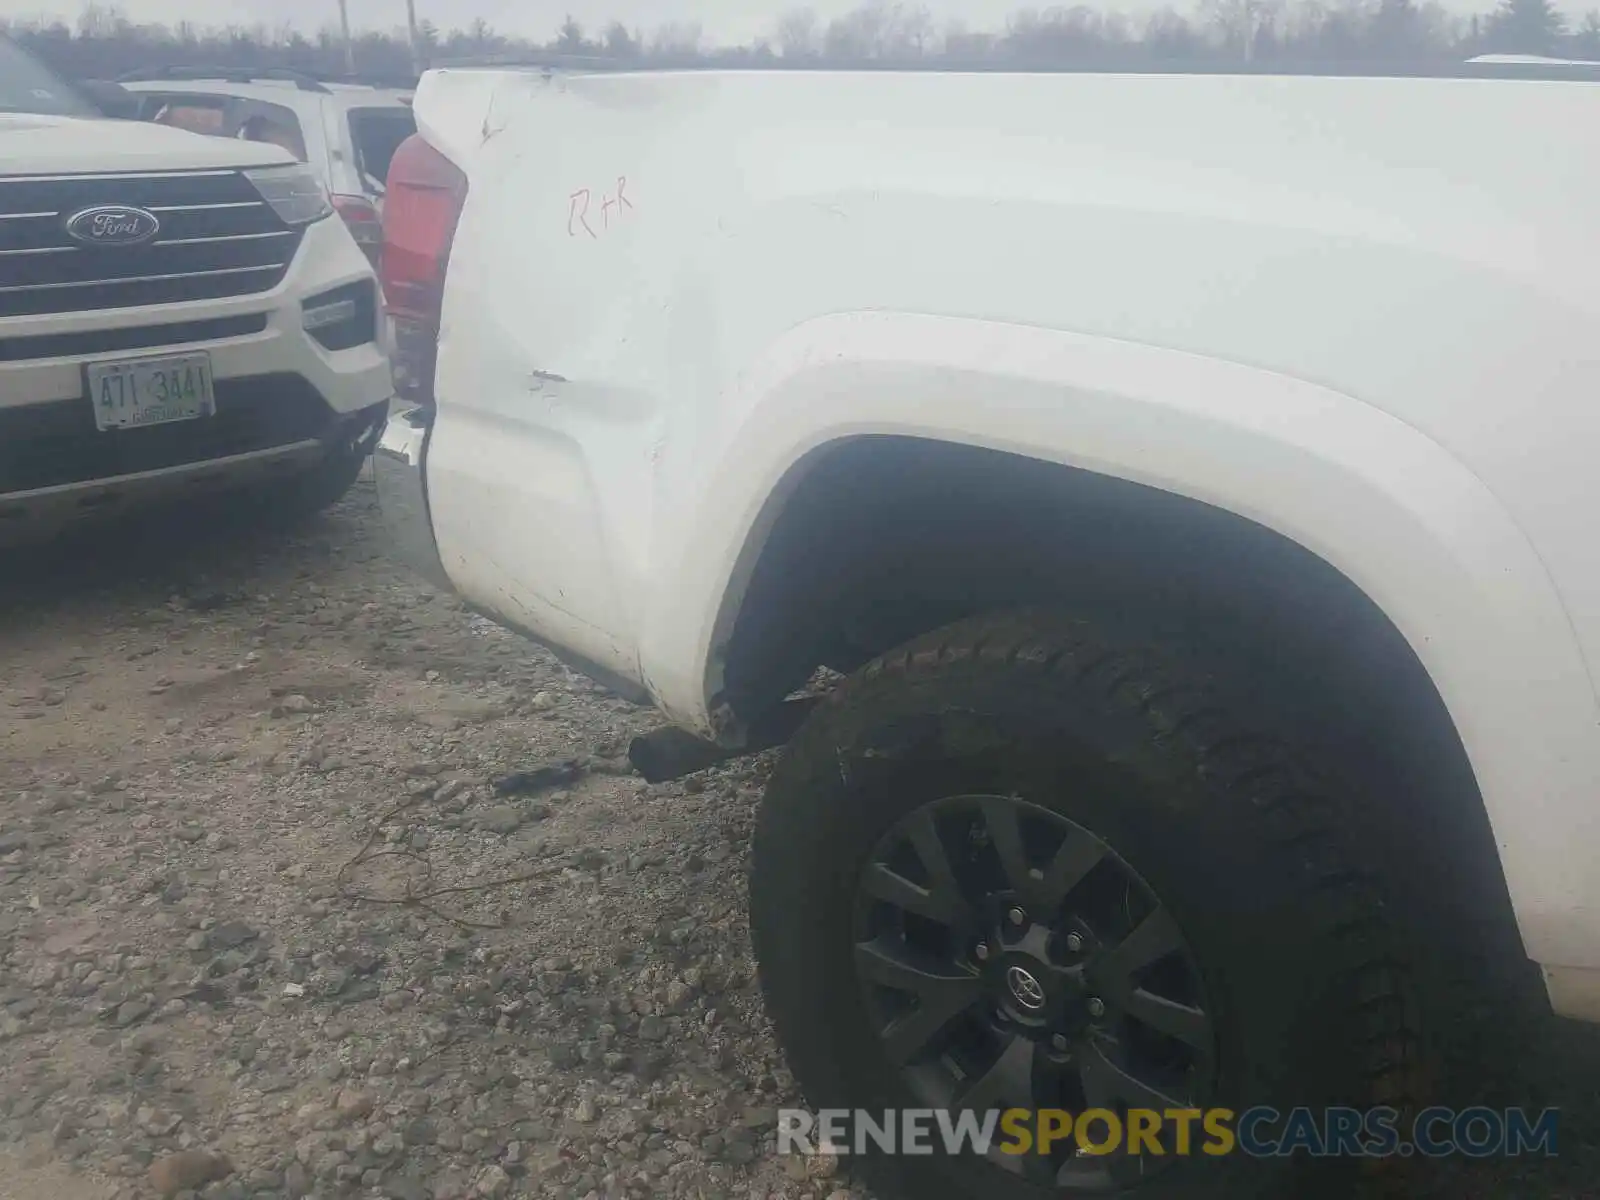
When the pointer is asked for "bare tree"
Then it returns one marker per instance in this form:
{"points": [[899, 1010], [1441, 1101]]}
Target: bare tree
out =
{"points": [[1398, 29], [102, 21], [1171, 36], [678, 40], [1586, 41], [1526, 27], [1289, 33], [912, 31], [570, 39], [799, 34], [1074, 35], [963, 45], [1237, 23], [619, 42], [859, 35]]}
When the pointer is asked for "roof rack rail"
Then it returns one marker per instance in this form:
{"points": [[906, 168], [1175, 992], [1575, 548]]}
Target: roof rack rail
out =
{"points": [[304, 82], [402, 82]]}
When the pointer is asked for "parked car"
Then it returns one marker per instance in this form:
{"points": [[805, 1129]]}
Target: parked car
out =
{"points": [[178, 317], [109, 98], [1191, 476], [345, 131]]}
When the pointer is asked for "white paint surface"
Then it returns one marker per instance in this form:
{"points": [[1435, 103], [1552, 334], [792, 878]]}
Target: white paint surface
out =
{"points": [[1359, 311]]}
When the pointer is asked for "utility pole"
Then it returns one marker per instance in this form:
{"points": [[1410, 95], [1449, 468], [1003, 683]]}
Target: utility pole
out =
{"points": [[411, 34], [344, 29]]}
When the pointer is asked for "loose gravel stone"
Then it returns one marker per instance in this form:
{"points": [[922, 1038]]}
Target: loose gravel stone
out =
{"points": [[187, 1171], [406, 1187], [353, 1105], [230, 934], [131, 1011], [493, 1183], [502, 819]]}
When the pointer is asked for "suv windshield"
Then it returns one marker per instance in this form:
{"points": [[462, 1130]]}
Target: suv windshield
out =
{"points": [[27, 86]]}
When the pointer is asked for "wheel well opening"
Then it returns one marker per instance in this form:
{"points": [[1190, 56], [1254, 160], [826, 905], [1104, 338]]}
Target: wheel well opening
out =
{"points": [[884, 538]]}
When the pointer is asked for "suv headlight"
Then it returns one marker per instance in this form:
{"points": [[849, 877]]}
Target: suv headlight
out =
{"points": [[294, 192]]}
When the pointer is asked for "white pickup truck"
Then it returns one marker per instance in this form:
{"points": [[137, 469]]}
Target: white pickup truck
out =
{"points": [[1192, 476]]}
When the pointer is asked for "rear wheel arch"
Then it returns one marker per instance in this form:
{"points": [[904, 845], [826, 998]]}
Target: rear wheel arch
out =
{"points": [[853, 441], [876, 541], [869, 541]]}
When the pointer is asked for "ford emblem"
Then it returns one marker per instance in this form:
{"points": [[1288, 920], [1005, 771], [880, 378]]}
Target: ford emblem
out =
{"points": [[112, 225]]}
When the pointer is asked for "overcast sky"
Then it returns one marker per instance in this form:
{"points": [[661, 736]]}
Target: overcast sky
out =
{"points": [[723, 21]]}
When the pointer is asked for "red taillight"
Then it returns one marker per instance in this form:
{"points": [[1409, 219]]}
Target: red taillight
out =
{"points": [[361, 219], [422, 203]]}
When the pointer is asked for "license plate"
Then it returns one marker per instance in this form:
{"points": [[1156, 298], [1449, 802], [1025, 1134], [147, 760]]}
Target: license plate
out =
{"points": [[151, 391]]}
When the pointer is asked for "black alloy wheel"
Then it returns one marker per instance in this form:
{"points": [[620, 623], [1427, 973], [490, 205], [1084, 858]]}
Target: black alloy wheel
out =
{"points": [[1009, 959], [1015, 865]]}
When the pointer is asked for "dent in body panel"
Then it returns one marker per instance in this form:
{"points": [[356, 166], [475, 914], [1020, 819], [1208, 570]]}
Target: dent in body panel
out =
{"points": [[509, 498], [539, 448], [514, 508]]}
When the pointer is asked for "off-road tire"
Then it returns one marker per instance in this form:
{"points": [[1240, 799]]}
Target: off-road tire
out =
{"points": [[1257, 858]]}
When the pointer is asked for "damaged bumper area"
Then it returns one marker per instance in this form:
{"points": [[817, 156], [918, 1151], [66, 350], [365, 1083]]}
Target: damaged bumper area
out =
{"points": [[397, 466]]}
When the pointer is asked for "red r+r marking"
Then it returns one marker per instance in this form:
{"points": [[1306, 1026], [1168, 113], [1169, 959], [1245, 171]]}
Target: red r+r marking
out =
{"points": [[578, 210]]}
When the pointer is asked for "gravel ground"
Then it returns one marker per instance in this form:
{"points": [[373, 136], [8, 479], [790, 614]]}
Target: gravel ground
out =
{"points": [[267, 928]]}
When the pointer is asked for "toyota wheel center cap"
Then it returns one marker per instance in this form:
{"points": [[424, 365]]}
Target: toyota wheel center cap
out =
{"points": [[1025, 988]]}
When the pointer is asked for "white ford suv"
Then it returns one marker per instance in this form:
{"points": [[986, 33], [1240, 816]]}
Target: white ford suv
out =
{"points": [[177, 314], [344, 131]]}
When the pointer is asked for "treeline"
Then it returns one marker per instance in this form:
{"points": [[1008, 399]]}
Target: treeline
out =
{"points": [[1295, 34]]}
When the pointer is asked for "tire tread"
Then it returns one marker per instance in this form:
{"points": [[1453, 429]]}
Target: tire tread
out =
{"points": [[1284, 797]]}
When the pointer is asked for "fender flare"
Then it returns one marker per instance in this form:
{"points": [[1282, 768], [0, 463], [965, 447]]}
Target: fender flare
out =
{"points": [[1388, 507]]}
